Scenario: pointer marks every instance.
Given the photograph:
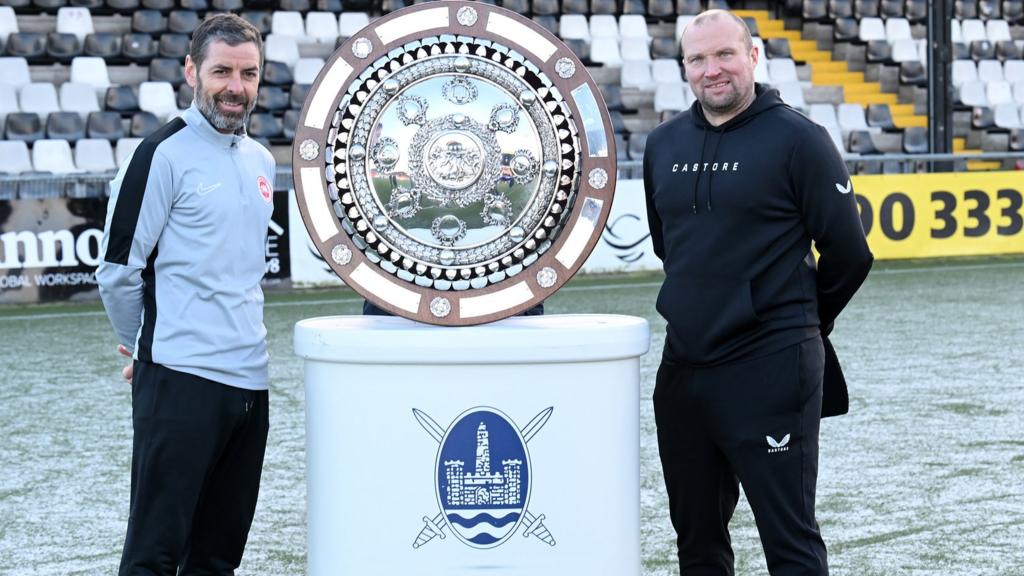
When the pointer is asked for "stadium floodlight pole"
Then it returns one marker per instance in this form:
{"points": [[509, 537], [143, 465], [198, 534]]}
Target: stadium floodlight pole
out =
{"points": [[940, 100]]}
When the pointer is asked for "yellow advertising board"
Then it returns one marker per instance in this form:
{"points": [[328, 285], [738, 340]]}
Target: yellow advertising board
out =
{"points": [[948, 214]]}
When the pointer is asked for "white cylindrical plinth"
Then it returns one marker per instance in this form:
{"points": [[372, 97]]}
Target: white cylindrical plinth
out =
{"points": [[510, 448]]}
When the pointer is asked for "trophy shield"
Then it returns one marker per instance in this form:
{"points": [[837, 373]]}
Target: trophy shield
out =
{"points": [[454, 163]]}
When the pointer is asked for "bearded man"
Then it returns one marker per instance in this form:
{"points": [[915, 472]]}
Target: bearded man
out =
{"points": [[183, 256]]}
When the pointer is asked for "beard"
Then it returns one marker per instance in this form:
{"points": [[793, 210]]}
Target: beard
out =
{"points": [[223, 121], [723, 103]]}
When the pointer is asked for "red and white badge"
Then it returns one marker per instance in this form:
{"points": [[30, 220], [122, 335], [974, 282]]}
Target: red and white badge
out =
{"points": [[266, 191]]}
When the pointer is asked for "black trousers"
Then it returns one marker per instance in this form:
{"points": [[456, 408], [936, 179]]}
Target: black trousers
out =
{"points": [[197, 457], [753, 423]]}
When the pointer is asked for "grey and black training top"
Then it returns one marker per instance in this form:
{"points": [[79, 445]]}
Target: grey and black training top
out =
{"points": [[183, 252]]}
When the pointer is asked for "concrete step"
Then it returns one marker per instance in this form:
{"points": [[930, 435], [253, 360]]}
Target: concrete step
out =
{"points": [[843, 78], [910, 121], [862, 88], [830, 66], [902, 109], [865, 99], [814, 56]]}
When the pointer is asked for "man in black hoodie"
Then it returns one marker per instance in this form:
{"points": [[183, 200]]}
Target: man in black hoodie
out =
{"points": [[738, 188]]}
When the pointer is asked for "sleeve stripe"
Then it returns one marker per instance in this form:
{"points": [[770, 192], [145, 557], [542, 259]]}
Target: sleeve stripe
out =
{"points": [[133, 189]]}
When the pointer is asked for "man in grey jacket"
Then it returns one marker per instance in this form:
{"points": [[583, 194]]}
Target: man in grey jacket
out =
{"points": [[183, 256]]}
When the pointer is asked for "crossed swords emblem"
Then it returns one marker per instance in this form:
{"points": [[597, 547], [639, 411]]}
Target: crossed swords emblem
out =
{"points": [[533, 525]]}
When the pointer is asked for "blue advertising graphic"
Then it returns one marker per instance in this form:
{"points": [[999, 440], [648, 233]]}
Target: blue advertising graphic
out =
{"points": [[483, 478]]}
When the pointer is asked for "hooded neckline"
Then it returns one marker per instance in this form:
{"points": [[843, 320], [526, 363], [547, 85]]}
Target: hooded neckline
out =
{"points": [[765, 98]]}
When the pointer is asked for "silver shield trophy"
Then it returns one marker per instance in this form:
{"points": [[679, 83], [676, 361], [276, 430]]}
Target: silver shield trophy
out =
{"points": [[454, 163]]}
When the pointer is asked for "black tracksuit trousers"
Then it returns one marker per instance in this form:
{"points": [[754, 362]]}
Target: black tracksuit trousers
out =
{"points": [[753, 423], [197, 458]]}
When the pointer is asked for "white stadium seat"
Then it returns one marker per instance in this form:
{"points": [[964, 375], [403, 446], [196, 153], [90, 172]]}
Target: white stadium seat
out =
{"points": [[603, 26], [972, 30], [306, 70], [14, 158], [574, 27], [125, 148], [666, 71], [606, 52], [94, 155], [322, 27], [281, 49], [14, 71], [1018, 91], [1013, 70], [351, 22], [851, 117], [792, 93], [92, 71], [39, 97], [634, 26], [637, 74], [837, 138], [8, 103], [288, 23], [75, 20], [670, 96], [8, 22], [990, 70], [1007, 116], [997, 31], [871, 29], [681, 23], [782, 70], [79, 98], [998, 92], [973, 94], [824, 114], [897, 29], [635, 49], [761, 70], [158, 98], [964, 71], [905, 50], [53, 156], [955, 33]]}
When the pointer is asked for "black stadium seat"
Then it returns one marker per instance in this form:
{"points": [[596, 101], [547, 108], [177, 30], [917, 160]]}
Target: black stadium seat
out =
{"points": [[183, 21], [123, 6], [297, 95], [989, 10], [688, 7], [49, 5], [603, 6], [879, 116], [982, 117], [815, 10], [271, 99], [917, 11], [260, 19], [982, 50], [891, 9], [865, 9], [637, 143], [915, 140], [879, 51], [289, 122], [65, 126], [634, 7], [860, 142], [579, 47], [276, 73], [139, 48], [293, 5], [777, 48], [121, 98], [184, 96], [544, 7], [195, 5], [618, 125], [24, 126], [174, 46], [148, 22], [661, 8], [846, 30], [752, 25], [913, 73], [612, 96], [840, 9], [961, 51], [90, 4], [1013, 11], [549, 23], [144, 124], [106, 125], [28, 45], [162, 5], [334, 6], [388, 6], [62, 47], [264, 125], [227, 5], [102, 45], [965, 9], [167, 70], [1008, 50], [665, 47], [1016, 140]]}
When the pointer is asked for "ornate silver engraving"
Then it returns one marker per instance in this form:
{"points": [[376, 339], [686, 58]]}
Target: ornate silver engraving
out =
{"points": [[341, 254], [440, 307], [309, 150], [448, 229], [466, 16], [459, 90], [386, 153], [565, 67], [362, 47], [597, 178], [547, 277]]}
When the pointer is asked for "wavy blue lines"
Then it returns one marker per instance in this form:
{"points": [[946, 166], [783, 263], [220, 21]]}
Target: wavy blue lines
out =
{"points": [[484, 518]]}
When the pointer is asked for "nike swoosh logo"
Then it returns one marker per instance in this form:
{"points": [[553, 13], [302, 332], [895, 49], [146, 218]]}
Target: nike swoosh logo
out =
{"points": [[204, 190], [847, 189]]}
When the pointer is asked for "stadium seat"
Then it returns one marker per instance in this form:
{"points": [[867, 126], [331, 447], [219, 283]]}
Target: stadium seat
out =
{"points": [[1018, 92], [14, 157], [633, 26], [603, 26], [637, 143], [517, 6], [880, 116], [277, 74], [572, 6], [1016, 140], [792, 93], [879, 51], [998, 92], [351, 22], [905, 50], [851, 118], [306, 70], [551, 7], [1013, 11], [23, 126], [227, 5], [964, 71], [689, 7], [173, 46], [30, 46], [157, 98], [574, 27], [636, 74], [124, 149], [972, 30], [1008, 50], [861, 142], [102, 45], [824, 114], [814, 11], [782, 70], [288, 23], [38, 97], [990, 70], [123, 6], [549, 23], [666, 71], [281, 49], [972, 94], [618, 125], [144, 123], [288, 123], [917, 11], [138, 47], [872, 29], [670, 97], [121, 98], [997, 31], [75, 20], [982, 50], [596, 6], [335, 6], [65, 126], [965, 9], [989, 9], [840, 9], [90, 70], [913, 73], [777, 48], [106, 125], [664, 47], [261, 19], [846, 30], [982, 118], [196, 5], [761, 69], [78, 98], [94, 156], [605, 51], [638, 7], [271, 99], [897, 29], [297, 95], [294, 5], [890, 9], [148, 22], [182, 21], [184, 96], [264, 125], [865, 9], [322, 27], [62, 47], [167, 70], [161, 5], [634, 50], [8, 103], [1006, 115], [8, 23], [53, 156], [915, 140], [681, 24]]}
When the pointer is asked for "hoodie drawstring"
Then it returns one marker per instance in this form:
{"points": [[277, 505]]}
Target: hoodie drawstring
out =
{"points": [[700, 166], [714, 154], [696, 184]]}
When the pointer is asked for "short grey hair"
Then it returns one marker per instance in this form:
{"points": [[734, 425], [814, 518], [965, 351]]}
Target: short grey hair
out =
{"points": [[228, 28]]}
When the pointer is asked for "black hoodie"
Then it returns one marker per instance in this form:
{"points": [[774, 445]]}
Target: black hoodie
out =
{"points": [[733, 210]]}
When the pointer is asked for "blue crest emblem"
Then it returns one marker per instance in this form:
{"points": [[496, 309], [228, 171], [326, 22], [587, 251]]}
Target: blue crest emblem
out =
{"points": [[483, 478]]}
